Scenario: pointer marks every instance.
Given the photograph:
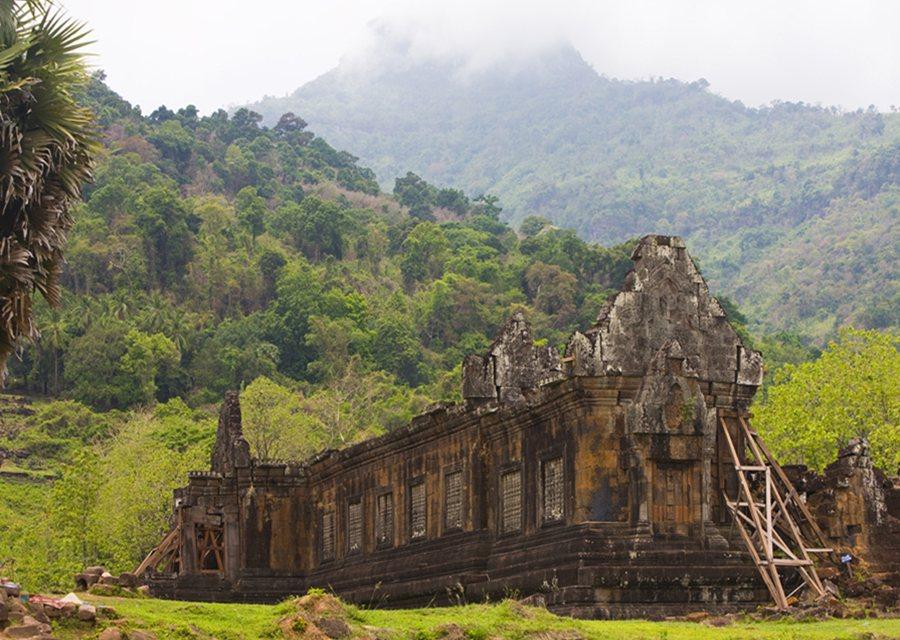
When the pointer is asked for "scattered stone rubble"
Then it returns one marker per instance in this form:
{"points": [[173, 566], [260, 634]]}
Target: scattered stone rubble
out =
{"points": [[30, 617], [93, 577]]}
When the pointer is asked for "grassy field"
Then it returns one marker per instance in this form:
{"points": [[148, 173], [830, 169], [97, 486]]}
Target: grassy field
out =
{"points": [[181, 620]]}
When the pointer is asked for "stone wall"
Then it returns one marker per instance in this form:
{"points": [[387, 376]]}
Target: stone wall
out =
{"points": [[858, 509]]}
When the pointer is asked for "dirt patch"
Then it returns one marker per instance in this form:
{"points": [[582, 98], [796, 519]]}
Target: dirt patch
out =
{"points": [[555, 635], [318, 616]]}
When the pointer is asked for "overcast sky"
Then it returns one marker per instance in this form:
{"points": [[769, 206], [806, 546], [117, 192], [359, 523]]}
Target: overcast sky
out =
{"points": [[216, 53]]}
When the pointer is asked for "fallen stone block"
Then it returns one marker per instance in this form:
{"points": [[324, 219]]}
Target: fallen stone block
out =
{"points": [[24, 631], [28, 628], [87, 613], [12, 589], [128, 580], [107, 612], [83, 581], [333, 627], [111, 633], [37, 612], [17, 610]]}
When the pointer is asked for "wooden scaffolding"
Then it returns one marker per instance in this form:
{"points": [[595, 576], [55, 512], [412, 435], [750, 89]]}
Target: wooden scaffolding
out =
{"points": [[165, 557], [773, 521]]}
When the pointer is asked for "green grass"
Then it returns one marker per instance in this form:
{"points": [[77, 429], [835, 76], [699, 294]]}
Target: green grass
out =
{"points": [[171, 619], [12, 472], [177, 620]]}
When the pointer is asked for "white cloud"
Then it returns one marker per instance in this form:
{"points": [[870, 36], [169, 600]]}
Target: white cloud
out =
{"points": [[219, 52], [480, 33]]}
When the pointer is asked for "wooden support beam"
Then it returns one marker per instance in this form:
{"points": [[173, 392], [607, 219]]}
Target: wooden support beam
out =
{"points": [[771, 525], [768, 569], [792, 491], [169, 543]]}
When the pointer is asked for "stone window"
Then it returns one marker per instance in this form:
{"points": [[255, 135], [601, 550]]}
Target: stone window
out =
{"points": [[453, 500], [511, 501], [327, 535], [354, 526], [384, 520], [417, 517], [210, 548], [552, 490]]}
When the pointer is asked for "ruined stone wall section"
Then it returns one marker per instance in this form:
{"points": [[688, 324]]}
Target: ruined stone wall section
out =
{"points": [[513, 366], [852, 503], [231, 450]]}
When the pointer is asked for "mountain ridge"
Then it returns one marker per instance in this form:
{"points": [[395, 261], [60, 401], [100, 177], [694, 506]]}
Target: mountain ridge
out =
{"points": [[614, 159]]}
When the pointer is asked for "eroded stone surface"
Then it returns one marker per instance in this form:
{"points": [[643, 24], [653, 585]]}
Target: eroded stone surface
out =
{"points": [[231, 449], [857, 507], [664, 298], [513, 366]]}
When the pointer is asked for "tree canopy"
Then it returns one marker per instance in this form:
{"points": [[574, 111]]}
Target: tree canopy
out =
{"points": [[851, 390]]}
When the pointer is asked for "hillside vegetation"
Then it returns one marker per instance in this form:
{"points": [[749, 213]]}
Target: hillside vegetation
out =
{"points": [[211, 251], [792, 208]]}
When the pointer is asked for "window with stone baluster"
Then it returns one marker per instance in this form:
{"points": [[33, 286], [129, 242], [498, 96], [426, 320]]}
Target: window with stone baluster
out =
{"points": [[511, 501], [417, 518], [453, 501], [384, 520], [552, 490], [354, 526], [327, 535]]}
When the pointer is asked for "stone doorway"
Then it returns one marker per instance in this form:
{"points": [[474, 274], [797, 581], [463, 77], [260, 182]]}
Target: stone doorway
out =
{"points": [[675, 505]]}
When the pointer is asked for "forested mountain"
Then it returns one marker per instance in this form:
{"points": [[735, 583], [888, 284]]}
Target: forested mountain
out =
{"points": [[211, 251], [791, 207]]}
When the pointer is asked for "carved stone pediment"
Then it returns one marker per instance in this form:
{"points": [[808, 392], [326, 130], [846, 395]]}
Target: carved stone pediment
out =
{"points": [[670, 400]]}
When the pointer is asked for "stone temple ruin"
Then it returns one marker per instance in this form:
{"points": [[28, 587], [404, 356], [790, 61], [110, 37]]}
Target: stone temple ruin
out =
{"points": [[599, 478]]}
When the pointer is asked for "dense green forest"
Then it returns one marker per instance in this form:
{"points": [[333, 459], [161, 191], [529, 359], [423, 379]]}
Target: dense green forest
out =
{"points": [[791, 208], [214, 253], [211, 253]]}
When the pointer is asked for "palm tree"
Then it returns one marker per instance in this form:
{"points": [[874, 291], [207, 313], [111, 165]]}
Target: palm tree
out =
{"points": [[54, 337], [46, 146]]}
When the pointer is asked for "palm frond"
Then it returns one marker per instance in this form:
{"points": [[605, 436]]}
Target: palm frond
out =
{"points": [[47, 142]]}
